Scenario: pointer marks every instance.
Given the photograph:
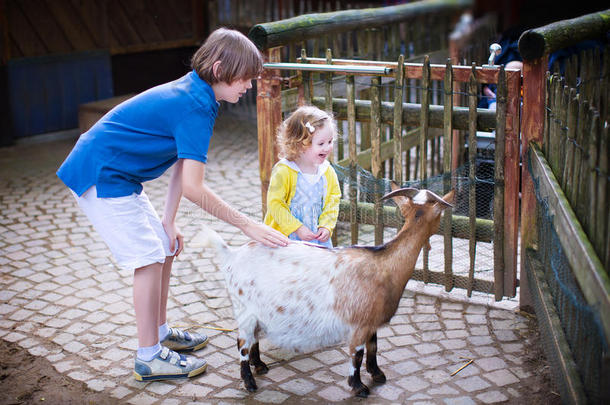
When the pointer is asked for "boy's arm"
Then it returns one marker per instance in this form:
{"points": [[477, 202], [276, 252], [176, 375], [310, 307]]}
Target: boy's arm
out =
{"points": [[172, 201], [277, 201], [330, 211], [195, 190]]}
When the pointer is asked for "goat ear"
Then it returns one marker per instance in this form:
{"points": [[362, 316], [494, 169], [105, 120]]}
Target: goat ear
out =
{"points": [[401, 192], [432, 197], [450, 197]]}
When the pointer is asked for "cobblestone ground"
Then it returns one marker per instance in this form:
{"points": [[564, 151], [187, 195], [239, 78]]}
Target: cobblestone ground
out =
{"points": [[62, 298]]}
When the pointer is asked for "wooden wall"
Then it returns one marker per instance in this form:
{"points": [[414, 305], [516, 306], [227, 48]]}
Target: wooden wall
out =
{"points": [[45, 27]]}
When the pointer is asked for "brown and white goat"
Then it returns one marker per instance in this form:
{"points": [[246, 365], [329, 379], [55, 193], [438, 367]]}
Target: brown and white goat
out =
{"points": [[303, 297]]}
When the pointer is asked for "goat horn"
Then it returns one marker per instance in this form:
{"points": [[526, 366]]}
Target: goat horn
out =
{"points": [[435, 197], [408, 192]]}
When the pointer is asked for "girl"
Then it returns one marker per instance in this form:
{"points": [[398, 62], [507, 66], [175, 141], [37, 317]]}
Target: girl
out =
{"points": [[139, 140], [303, 196]]}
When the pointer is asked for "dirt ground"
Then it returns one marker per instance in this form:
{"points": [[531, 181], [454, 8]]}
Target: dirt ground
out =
{"points": [[27, 379]]}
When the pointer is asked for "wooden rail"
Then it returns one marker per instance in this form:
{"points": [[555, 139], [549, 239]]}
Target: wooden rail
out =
{"points": [[301, 28]]}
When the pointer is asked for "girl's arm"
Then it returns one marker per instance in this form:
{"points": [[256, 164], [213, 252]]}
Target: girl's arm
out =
{"points": [[172, 201], [196, 191], [277, 203], [330, 211]]}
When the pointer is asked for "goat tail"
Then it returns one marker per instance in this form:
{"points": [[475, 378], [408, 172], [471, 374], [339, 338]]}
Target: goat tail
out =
{"points": [[208, 238]]}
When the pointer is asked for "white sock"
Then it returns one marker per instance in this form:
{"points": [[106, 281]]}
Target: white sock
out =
{"points": [[163, 332], [149, 353]]}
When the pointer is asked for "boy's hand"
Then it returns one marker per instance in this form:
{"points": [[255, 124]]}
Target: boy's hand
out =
{"points": [[174, 235], [265, 234], [323, 234], [305, 234]]}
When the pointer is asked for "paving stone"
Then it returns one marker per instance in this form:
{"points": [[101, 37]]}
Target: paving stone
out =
{"points": [[273, 397], [459, 401], [492, 397], [330, 357], [120, 392], [161, 388], [388, 391], [232, 393], [142, 399], [413, 383], [298, 386], [491, 363], [333, 394], [472, 384], [306, 364], [501, 377]]}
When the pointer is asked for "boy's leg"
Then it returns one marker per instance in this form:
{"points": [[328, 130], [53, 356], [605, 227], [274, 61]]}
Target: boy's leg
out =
{"points": [[165, 276], [174, 338], [147, 289]]}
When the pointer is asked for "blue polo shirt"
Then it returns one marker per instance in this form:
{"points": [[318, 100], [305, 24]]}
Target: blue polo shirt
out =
{"points": [[139, 139]]}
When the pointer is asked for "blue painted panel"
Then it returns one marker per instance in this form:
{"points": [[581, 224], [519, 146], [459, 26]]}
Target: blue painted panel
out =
{"points": [[45, 92]]}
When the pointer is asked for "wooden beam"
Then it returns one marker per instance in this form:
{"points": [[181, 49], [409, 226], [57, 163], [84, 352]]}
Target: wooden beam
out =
{"points": [[306, 26], [486, 119], [391, 218], [537, 42]]}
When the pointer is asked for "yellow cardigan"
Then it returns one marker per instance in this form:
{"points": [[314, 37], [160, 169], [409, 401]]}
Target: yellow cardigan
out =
{"points": [[282, 187]]}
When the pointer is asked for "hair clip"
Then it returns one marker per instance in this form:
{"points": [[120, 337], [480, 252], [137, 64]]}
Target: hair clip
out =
{"points": [[310, 127]]}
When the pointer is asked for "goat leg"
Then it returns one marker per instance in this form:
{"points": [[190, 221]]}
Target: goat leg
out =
{"points": [[255, 359], [354, 380], [246, 373], [371, 360]]}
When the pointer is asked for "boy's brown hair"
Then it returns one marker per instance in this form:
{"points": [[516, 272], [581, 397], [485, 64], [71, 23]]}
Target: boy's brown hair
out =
{"points": [[296, 132], [239, 58]]}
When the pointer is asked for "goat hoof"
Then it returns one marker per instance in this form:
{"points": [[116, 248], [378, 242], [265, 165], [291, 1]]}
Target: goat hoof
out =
{"points": [[363, 391], [250, 385], [379, 378], [261, 369]]}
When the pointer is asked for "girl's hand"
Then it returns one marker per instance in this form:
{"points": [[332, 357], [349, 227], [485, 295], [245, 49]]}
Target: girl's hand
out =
{"points": [[265, 234], [174, 234], [305, 234], [323, 234]]}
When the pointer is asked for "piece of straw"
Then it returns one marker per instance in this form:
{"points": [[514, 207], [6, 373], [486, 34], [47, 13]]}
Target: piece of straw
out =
{"points": [[463, 367]]}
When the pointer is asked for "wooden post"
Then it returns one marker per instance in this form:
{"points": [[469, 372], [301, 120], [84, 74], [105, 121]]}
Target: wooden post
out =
{"points": [[473, 93], [447, 173], [532, 132], [269, 117], [498, 208], [511, 182], [423, 143], [376, 155], [397, 125], [353, 158]]}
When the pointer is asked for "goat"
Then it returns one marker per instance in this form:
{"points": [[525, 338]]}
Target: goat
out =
{"points": [[303, 297]]}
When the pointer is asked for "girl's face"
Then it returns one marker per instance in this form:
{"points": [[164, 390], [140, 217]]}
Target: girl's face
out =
{"points": [[231, 92], [321, 146]]}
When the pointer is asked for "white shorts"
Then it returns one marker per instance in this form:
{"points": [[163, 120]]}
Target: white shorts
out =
{"points": [[130, 227]]}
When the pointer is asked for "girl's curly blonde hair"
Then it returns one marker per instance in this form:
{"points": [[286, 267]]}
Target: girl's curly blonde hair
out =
{"points": [[296, 132]]}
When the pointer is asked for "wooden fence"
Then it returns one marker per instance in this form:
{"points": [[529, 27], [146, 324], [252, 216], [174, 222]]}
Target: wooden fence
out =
{"points": [[565, 218], [426, 129]]}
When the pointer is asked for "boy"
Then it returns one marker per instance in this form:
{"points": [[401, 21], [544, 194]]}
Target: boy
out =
{"points": [[139, 140]]}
